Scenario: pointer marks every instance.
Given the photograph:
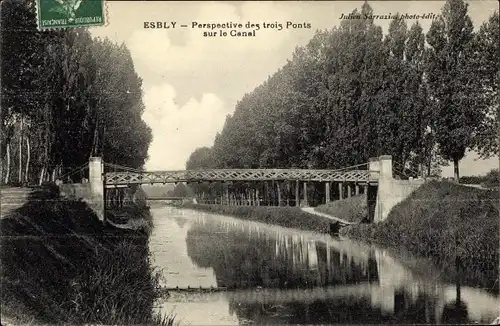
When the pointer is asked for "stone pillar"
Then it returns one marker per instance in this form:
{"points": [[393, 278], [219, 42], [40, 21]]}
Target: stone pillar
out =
{"points": [[374, 169], [297, 191], [97, 186], [327, 192], [305, 194], [386, 197], [386, 166], [340, 191]]}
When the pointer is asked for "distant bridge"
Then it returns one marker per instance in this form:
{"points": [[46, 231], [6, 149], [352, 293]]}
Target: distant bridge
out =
{"points": [[165, 198]]}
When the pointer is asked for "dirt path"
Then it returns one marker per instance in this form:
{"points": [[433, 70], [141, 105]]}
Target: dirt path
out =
{"points": [[311, 210]]}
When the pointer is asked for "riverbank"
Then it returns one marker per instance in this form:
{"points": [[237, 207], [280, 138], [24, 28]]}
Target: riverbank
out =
{"points": [[61, 265], [353, 209], [453, 224], [292, 217]]}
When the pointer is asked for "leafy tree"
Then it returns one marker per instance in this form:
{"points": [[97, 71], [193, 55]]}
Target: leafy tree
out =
{"points": [[65, 97], [453, 87], [351, 94], [487, 70], [201, 158]]}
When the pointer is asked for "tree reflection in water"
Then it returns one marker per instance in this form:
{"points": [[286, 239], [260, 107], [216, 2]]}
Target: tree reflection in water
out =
{"points": [[456, 312], [291, 278], [248, 260]]}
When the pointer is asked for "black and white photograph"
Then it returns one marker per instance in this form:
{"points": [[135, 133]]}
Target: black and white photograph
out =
{"points": [[192, 163]]}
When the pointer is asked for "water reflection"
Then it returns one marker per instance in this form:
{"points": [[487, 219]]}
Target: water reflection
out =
{"points": [[249, 256], [280, 275]]}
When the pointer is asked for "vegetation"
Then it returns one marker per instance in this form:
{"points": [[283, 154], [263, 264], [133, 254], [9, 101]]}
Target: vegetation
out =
{"points": [[353, 93], [59, 265], [444, 220], [453, 88], [65, 97], [292, 217], [490, 180], [353, 209]]}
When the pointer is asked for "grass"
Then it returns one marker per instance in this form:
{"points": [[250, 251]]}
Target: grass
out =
{"points": [[61, 265], [444, 221], [292, 217], [352, 209]]}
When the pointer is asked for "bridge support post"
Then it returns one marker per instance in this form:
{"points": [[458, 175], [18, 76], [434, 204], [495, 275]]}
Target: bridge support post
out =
{"points": [[278, 189], [327, 192], [357, 189], [386, 194], [97, 186], [287, 193], [349, 190], [306, 203], [341, 188], [297, 191]]}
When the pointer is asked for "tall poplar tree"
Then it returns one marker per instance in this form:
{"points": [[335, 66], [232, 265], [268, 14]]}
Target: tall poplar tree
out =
{"points": [[452, 82], [487, 65]]}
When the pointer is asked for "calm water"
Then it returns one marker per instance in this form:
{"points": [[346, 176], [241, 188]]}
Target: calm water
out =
{"points": [[277, 275]]}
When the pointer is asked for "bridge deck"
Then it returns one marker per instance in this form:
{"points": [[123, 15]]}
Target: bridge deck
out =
{"points": [[125, 178]]}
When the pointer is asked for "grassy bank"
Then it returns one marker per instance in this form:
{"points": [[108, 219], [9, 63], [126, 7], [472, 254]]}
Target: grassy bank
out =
{"points": [[352, 209], [444, 221], [60, 265], [292, 217]]}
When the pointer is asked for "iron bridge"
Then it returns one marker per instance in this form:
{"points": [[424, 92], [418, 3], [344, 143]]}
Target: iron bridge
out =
{"points": [[225, 175]]}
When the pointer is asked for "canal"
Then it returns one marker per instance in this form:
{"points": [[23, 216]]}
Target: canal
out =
{"points": [[276, 275]]}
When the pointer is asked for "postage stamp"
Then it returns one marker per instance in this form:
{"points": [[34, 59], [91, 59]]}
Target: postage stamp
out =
{"points": [[70, 13]]}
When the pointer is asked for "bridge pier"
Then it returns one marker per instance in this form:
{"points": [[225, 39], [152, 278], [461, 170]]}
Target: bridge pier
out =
{"points": [[389, 192], [349, 190], [341, 188], [297, 193], [97, 187], [327, 192], [306, 203], [278, 189]]}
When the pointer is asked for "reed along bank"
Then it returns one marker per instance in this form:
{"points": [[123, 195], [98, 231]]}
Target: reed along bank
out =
{"points": [[61, 265]]}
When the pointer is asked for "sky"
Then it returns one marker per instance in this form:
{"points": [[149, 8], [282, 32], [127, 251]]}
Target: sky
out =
{"points": [[192, 82]]}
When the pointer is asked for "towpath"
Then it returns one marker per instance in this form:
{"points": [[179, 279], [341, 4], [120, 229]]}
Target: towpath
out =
{"points": [[311, 210]]}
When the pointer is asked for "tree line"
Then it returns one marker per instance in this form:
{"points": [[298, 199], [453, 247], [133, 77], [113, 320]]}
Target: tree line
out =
{"points": [[65, 97], [353, 93]]}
